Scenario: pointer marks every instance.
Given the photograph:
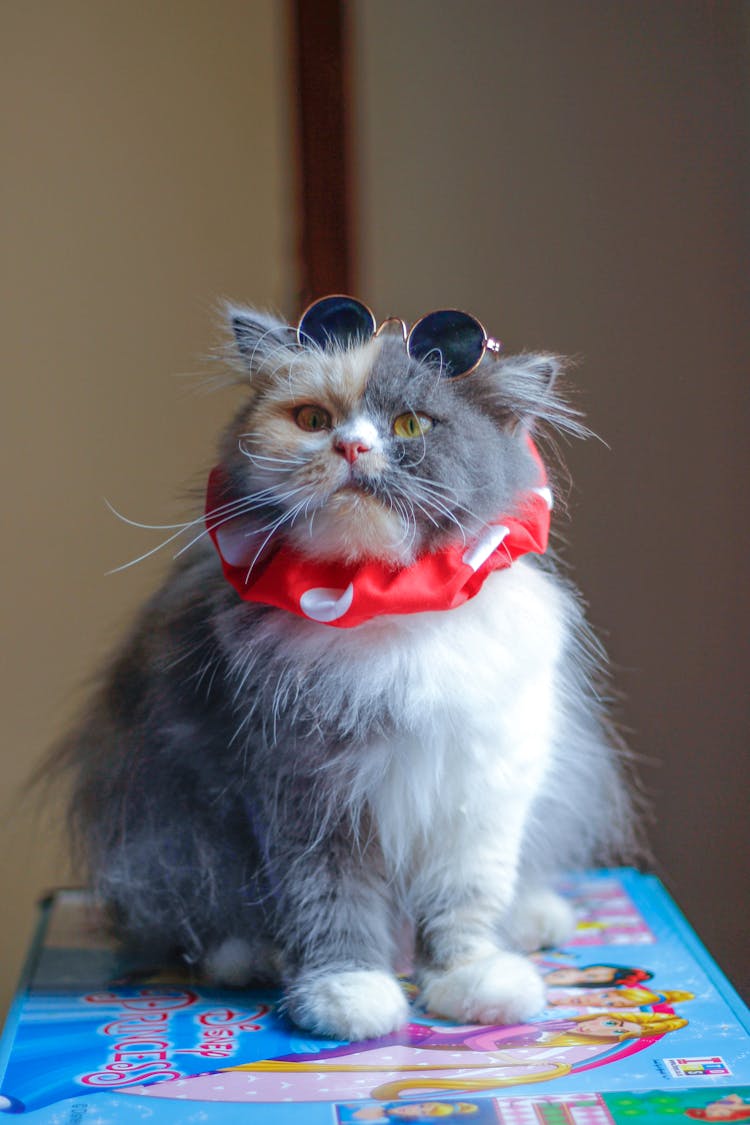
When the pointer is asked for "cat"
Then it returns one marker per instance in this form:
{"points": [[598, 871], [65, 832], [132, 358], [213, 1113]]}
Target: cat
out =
{"points": [[278, 796]]}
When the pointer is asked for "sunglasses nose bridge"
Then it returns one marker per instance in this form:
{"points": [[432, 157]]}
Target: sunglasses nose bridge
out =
{"points": [[392, 325]]}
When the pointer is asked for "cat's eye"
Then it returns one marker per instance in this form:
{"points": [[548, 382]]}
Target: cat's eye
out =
{"points": [[412, 425], [313, 418]]}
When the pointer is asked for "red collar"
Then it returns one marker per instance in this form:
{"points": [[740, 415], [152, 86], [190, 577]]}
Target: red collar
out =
{"points": [[348, 594]]}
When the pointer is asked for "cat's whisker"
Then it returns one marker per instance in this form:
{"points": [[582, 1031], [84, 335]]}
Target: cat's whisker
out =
{"points": [[230, 507], [443, 510], [249, 504], [424, 453], [170, 526], [145, 555], [257, 436], [269, 468], [258, 457], [410, 521], [233, 510], [146, 526], [427, 488], [434, 484], [425, 498], [422, 508], [252, 501], [286, 517], [282, 360], [393, 506], [290, 372], [308, 517], [160, 546], [409, 528]]}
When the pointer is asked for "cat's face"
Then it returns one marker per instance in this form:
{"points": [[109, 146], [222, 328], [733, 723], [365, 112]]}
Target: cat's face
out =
{"points": [[367, 453]]}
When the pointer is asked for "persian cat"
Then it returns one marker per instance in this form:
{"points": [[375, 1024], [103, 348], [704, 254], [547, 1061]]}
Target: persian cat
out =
{"points": [[366, 705]]}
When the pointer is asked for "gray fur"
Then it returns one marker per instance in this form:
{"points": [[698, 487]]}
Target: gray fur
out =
{"points": [[212, 774]]}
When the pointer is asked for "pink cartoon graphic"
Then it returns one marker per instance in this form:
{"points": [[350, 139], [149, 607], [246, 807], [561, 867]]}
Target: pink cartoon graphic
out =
{"points": [[425, 1061]]}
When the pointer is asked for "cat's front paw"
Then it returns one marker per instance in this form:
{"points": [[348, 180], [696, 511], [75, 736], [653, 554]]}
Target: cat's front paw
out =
{"points": [[503, 988], [238, 961], [355, 1004], [540, 919]]}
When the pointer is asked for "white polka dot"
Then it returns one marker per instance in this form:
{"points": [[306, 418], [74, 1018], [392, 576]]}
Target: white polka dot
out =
{"points": [[325, 605], [236, 545], [488, 542], [546, 495]]}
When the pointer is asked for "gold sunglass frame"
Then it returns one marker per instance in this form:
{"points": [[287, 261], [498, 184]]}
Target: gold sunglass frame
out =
{"points": [[489, 343]]}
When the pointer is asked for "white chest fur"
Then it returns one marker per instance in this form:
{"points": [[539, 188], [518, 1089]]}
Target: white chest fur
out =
{"points": [[477, 722], [471, 696]]}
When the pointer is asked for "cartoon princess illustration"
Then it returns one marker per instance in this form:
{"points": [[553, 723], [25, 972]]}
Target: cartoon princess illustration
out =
{"points": [[731, 1107], [593, 1028], [618, 998], [414, 1111], [429, 1060], [594, 976]]}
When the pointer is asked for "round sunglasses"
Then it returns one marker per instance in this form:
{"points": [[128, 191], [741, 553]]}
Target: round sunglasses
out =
{"points": [[453, 338]]}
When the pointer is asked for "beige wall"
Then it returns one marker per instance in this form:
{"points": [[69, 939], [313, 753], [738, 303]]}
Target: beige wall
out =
{"points": [[572, 173], [144, 174]]}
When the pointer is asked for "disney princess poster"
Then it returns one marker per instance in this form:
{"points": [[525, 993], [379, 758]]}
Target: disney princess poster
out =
{"points": [[636, 1010]]}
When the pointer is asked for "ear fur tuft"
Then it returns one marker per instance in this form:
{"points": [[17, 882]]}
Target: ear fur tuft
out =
{"points": [[258, 337], [526, 389]]}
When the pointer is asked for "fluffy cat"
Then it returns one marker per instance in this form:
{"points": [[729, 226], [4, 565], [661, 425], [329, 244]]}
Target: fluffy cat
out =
{"points": [[276, 798]]}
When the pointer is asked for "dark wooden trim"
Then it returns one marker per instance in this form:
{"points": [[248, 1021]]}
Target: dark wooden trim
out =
{"points": [[321, 89]]}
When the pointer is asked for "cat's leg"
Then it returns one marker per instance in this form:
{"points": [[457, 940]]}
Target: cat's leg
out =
{"points": [[185, 884], [336, 929], [466, 971]]}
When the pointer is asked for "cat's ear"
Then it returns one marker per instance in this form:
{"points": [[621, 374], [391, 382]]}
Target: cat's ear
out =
{"points": [[527, 388], [258, 339]]}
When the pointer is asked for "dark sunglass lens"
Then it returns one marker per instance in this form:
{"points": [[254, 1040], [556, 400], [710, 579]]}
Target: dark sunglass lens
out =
{"points": [[451, 338], [336, 322]]}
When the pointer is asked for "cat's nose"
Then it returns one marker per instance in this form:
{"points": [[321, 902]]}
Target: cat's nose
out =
{"points": [[351, 450]]}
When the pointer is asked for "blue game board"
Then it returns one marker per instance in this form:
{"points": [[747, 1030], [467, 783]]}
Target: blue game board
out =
{"points": [[640, 1025]]}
